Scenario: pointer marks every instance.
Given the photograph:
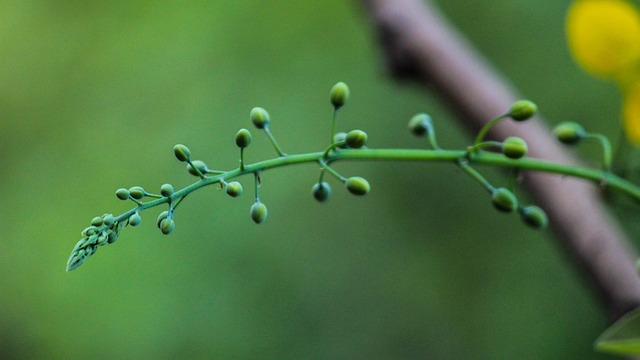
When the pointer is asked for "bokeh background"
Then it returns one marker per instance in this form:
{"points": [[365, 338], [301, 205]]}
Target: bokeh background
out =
{"points": [[93, 96]]}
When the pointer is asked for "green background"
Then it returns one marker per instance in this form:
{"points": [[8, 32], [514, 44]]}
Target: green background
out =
{"points": [[93, 96]]}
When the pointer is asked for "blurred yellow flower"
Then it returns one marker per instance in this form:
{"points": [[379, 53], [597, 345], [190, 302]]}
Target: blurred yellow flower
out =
{"points": [[604, 38], [631, 114]]}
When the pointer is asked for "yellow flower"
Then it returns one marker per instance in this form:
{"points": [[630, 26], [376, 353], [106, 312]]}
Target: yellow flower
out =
{"points": [[604, 38], [604, 35], [631, 114]]}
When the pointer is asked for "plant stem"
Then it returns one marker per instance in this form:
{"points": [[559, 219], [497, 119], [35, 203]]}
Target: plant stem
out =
{"points": [[464, 165], [484, 158], [273, 142], [485, 129], [607, 153]]}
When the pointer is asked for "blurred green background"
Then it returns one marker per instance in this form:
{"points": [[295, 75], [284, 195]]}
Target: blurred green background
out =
{"points": [[93, 96]]}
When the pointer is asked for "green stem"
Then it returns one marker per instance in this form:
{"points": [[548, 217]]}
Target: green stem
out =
{"points": [[329, 169], [464, 165], [273, 141], [607, 153], [256, 184], [329, 148], [196, 169], [484, 145], [241, 159], [485, 129], [431, 135], [484, 158], [620, 163], [333, 124]]}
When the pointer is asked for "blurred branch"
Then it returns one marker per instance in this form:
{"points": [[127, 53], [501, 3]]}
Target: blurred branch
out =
{"points": [[418, 44]]}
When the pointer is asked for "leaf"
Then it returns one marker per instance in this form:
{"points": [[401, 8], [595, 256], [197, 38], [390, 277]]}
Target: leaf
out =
{"points": [[623, 337]]}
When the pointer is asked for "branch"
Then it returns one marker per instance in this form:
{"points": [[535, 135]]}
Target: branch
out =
{"points": [[418, 44]]}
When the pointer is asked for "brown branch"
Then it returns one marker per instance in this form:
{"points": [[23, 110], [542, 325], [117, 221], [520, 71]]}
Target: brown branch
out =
{"points": [[418, 44]]}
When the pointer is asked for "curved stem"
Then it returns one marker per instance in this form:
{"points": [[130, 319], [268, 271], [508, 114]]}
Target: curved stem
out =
{"points": [[273, 141], [607, 153], [333, 123], [485, 129], [464, 165], [484, 145], [417, 155]]}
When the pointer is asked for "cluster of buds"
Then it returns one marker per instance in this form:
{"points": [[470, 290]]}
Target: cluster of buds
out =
{"points": [[102, 231], [105, 229]]}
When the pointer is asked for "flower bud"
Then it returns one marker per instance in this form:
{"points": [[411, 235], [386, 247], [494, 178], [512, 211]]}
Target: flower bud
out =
{"points": [[534, 217], [181, 152], [102, 239], [321, 191], [234, 189], [112, 237], [167, 225], [122, 194], [92, 240], [514, 147], [108, 219], [243, 138], [522, 110], [569, 132], [340, 139], [200, 165], [166, 190], [418, 125], [259, 117], [135, 219], [258, 212], [357, 185], [504, 200], [96, 221], [339, 95], [137, 192], [163, 215], [356, 139], [89, 231]]}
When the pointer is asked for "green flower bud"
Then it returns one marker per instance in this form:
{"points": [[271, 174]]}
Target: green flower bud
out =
{"points": [[89, 231], [137, 192], [243, 138], [122, 194], [259, 117], [357, 185], [112, 237], [258, 212], [97, 221], [504, 200], [534, 217], [167, 225], [108, 219], [569, 132], [102, 239], [356, 139], [339, 95], [321, 191], [418, 125], [340, 139], [166, 190], [200, 165], [93, 240], [233, 189], [522, 110], [182, 152], [163, 215], [135, 219], [514, 147]]}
